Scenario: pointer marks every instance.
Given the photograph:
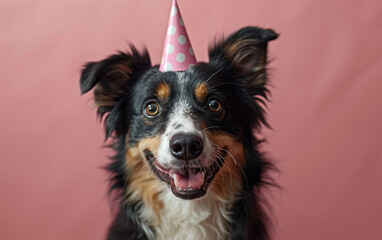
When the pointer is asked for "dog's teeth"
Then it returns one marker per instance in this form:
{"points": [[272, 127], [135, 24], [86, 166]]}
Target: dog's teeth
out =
{"points": [[176, 183]]}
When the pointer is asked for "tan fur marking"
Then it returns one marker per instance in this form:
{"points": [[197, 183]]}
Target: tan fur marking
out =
{"points": [[123, 68], [119, 74], [238, 47], [238, 51], [227, 182], [145, 184], [103, 99], [201, 91], [163, 91]]}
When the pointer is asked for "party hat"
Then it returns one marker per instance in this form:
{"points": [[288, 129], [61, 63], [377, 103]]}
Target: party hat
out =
{"points": [[177, 52]]}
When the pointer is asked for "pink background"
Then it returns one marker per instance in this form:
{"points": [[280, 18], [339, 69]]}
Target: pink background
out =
{"points": [[325, 110]]}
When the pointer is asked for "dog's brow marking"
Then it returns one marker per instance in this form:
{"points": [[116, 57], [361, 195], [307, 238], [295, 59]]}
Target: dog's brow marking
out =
{"points": [[201, 91], [163, 91]]}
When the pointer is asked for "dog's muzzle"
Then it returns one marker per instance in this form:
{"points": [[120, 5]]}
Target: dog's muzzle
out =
{"points": [[188, 174]]}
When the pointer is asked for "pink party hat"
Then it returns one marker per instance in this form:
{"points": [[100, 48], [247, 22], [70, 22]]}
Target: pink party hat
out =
{"points": [[177, 52]]}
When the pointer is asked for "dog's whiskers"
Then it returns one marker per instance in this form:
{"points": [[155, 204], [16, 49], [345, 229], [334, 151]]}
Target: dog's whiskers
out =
{"points": [[151, 164], [131, 169], [239, 166], [215, 161], [139, 161], [221, 158], [210, 127], [215, 73], [233, 158]]}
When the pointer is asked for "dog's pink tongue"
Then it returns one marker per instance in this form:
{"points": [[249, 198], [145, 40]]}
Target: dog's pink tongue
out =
{"points": [[187, 179]]}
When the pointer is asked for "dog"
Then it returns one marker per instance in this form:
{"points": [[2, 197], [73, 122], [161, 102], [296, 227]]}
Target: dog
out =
{"points": [[187, 162]]}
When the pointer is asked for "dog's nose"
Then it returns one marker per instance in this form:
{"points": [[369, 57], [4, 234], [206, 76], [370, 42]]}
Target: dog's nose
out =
{"points": [[186, 146]]}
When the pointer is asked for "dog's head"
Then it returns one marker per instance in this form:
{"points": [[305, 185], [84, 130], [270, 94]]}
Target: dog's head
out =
{"points": [[188, 126]]}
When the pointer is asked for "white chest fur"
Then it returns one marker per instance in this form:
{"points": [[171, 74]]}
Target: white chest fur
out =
{"points": [[203, 219]]}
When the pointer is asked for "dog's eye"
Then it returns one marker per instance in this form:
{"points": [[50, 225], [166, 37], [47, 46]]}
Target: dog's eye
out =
{"points": [[215, 105], [152, 109]]}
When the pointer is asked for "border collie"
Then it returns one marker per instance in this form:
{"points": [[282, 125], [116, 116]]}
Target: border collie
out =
{"points": [[187, 162]]}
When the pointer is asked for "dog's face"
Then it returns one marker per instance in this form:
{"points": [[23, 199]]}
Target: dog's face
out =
{"points": [[185, 124], [186, 127]]}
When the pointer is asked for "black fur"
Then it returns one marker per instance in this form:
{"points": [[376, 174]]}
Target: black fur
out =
{"points": [[238, 78], [126, 225]]}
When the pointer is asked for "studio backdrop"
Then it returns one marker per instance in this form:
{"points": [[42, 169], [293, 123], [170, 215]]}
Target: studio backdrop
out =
{"points": [[325, 110]]}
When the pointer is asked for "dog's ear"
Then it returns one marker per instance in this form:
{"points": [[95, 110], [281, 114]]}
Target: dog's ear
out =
{"points": [[245, 53], [112, 76]]}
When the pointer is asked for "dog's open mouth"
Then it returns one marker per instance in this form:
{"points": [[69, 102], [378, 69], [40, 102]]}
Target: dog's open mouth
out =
{"points": [[186, 182]]}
